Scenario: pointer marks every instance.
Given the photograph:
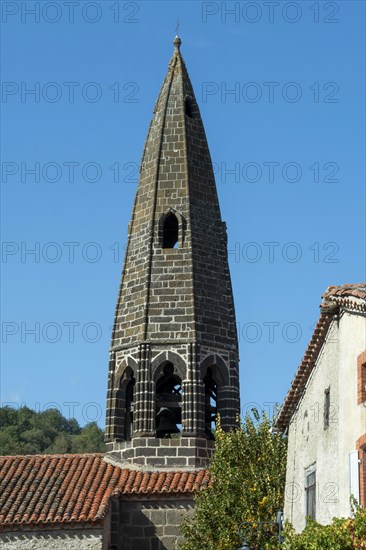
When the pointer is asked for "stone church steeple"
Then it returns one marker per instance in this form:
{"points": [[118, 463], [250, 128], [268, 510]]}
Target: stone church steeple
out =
{"points": [[174, 351]]}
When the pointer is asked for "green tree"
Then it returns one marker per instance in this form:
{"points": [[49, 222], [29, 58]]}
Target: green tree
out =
{"points": [[8, 416], [9, 441], [90, 439], [24, 431], [247, 485], [61, 445]]}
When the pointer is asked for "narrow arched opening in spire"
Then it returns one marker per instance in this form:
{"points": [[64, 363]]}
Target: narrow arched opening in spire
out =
{"points": [[170, 232], [188, 107], [189, 110]]}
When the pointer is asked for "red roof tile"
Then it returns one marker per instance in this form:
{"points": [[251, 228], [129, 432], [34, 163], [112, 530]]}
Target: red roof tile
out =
{"points": [[52, 489], [355, 290], [335, 298]]}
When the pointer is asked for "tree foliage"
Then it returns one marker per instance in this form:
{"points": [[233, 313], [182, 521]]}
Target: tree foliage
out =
{"points": [[248, 479], [341, 534], [25, 431], [247, 485]]}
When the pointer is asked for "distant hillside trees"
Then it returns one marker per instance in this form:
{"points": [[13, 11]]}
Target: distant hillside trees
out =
{"points": [[25, 431]]}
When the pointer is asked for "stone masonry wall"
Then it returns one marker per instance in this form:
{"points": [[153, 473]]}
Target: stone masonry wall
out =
{"points": [[55, 539], [150, 525], [182, 452]]}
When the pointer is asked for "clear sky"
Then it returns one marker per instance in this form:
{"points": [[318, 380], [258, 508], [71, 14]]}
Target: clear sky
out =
{"points": [[281, 88]]}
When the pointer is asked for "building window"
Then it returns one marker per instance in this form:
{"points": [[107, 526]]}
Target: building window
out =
{"points": [[170, 232], [361, 378], [326, 408], [310, 492]]}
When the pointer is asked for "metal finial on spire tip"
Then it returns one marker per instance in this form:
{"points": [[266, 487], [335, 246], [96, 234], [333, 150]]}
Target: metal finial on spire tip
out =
{"points": [[177, 40]]}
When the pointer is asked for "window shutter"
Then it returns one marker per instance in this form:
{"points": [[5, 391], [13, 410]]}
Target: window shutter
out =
{"points": [[354, 479]]}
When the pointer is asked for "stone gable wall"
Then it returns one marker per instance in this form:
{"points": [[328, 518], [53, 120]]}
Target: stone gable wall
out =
{"points": [[150, 524]]}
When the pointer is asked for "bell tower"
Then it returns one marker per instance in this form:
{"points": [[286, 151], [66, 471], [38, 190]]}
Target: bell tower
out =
{"points": [[174, 350]]}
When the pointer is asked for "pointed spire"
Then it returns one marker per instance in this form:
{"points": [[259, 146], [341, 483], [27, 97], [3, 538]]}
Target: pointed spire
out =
{"points": [[175, 303]]}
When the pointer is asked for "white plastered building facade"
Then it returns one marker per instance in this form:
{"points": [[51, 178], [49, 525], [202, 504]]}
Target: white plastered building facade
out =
{"points": [[324, 414]]}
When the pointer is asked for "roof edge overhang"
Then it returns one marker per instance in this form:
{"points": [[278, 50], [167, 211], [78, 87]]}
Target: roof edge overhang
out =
{"points": [[30, 526], [336, 300]]}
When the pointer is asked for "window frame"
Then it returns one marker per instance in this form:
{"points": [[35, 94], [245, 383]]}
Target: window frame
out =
{"points": [[181, 230], [170, 228], [361, 378], [310, 492]]}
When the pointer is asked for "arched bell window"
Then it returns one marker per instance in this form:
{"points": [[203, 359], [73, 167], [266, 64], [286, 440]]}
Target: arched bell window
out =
{"points": [[210, 403], [125, 396], [168, 403], [128, 428], [171, 231]]}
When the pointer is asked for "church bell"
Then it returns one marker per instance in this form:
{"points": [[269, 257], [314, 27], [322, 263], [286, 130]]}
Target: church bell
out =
{"points": [[165, 423]]}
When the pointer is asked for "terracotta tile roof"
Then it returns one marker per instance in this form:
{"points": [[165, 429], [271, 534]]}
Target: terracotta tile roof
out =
{"points": [[347, 296], [335, 298], [54, 489]]}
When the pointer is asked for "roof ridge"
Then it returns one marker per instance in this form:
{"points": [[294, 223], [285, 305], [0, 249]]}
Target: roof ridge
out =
{"points": [[41, 455]]}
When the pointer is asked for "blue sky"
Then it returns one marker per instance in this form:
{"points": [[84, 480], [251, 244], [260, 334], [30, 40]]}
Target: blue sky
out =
{"points": [[280, 87]]}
